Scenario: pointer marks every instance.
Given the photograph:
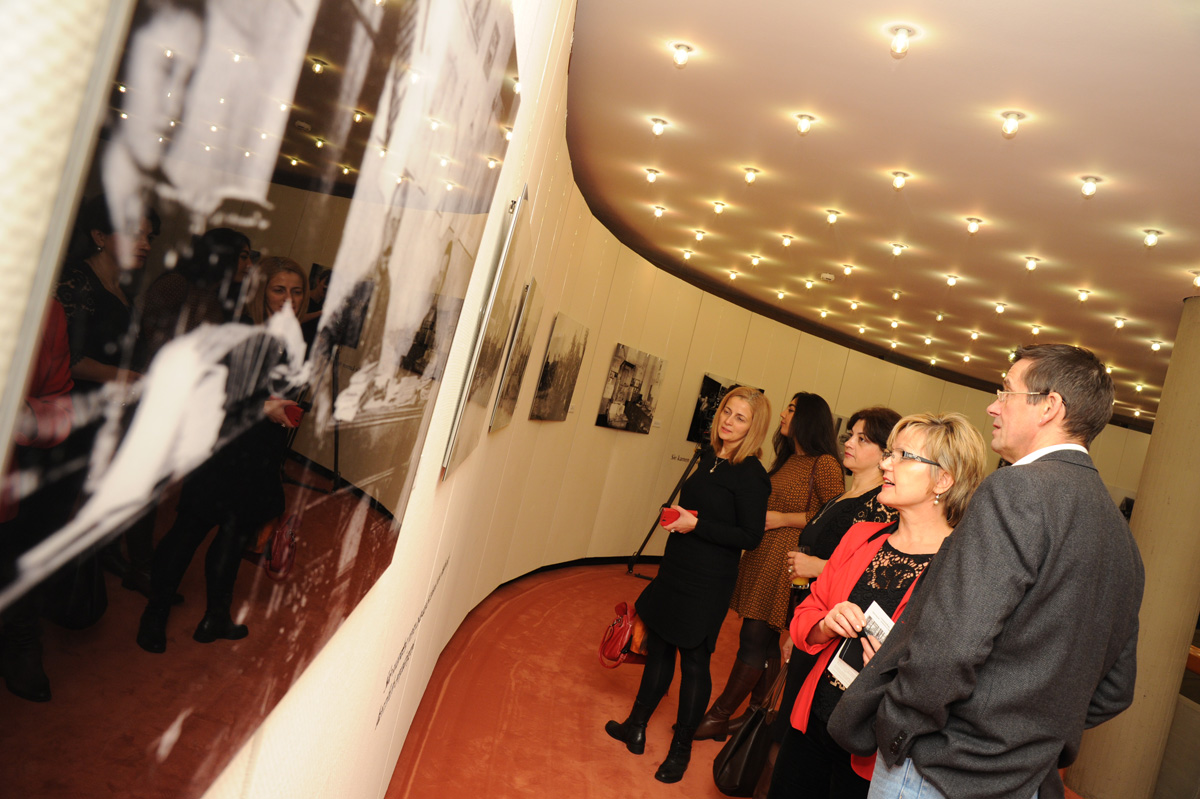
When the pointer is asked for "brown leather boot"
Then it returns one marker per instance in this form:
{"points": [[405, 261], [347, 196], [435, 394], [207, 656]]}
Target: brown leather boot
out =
{"points": [[716, 721], [759, 694]]}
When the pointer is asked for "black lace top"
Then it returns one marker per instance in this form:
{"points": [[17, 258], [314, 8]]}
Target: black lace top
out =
{"points": [[884, 581], [825, 531]]}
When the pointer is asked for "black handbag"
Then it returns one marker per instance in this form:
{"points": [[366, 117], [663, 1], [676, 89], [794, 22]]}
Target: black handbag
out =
{"points": [[741, 761]]}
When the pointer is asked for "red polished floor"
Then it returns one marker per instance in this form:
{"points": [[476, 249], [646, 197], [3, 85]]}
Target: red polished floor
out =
{"points": [[517, 702]]}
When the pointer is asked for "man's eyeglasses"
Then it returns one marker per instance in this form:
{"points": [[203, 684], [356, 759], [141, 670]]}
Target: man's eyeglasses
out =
{"points": [[1002, 395], [905, 455]]}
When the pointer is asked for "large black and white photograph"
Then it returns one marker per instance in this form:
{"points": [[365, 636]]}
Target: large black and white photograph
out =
{"points": [[560, 370], [513, 376], [493, 337], [630, 391], [222, 433]]}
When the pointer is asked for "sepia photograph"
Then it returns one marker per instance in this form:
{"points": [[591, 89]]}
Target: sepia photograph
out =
{"points": [[560, 370], [518, 357], [631, 391]]}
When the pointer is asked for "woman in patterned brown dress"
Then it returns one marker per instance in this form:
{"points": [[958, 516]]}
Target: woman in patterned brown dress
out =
{"points": [[806, 474]]}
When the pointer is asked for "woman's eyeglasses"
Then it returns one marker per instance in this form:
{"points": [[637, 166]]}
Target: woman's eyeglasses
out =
{"points": [[905, 455]]}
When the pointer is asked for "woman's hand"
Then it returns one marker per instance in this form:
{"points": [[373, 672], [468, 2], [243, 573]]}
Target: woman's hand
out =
{"points": [[844, 620], [273, 409], [802, 565], [870, 645], [684, 524]]}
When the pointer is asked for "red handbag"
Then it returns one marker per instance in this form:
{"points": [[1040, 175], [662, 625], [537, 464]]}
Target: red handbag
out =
{"points": [[624, 640]]}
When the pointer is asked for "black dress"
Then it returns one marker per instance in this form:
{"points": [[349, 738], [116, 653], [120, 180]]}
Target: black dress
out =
{"points": [[686, 603]]}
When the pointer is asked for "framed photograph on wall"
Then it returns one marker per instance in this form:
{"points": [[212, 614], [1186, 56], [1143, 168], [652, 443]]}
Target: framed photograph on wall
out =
{"points": [[560, 370], [631, 390], [493, 327], [513, 375]]}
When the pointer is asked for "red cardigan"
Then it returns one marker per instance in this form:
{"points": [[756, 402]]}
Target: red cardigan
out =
{"points": [[847, 564]]}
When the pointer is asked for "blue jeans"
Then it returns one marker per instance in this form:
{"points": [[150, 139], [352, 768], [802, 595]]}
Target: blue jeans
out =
{"points": [[903, 781]]}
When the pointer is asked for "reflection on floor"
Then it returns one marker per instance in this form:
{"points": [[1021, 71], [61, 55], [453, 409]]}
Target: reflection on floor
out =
{"points": [[517, 703], [127, 723]]}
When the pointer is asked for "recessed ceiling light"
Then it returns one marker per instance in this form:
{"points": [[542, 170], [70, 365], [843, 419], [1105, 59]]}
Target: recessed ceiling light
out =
{"points": [[681, 53], [1083, 295], [658, 126], [1195, 273], [1035, 329], [1119, 322], [1155, 345], [808, 284], [895, 295], [751, 174], [951, 280], [718, 207], [824, 313], [1089, 184], [787, 240], [974, 335], [848, 269], [966, 359], [318, 66], [1012, 119], [973, 224], [895, 324], [899, 179], [804, 123], [780, 295], [1000, 307], [507, 133], [1031, 262], [831, 216], [1151, 237], [861, 329], [1138, 388], [732, 274], [940, 317], [854, 305], [933, 361], [898, 248], [1108, 370], [700, 235], [659, 211], [687, 255], [754, 259], [516, 85], [491, 161], [901, 37], [928, 341], [1137, 412], [652, 175]]}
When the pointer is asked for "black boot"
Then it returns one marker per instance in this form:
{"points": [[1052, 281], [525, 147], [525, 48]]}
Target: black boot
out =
{"points": [[715, 724], [680, 753], [152, 629], [216, 625], [759, 695], [21, 660], [632, 731]]}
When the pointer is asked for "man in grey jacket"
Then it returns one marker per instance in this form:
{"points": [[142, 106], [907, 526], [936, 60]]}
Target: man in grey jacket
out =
{"points": [[1023, 631]]}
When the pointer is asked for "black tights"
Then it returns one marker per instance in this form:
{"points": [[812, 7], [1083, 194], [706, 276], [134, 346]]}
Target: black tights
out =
{"points": [[695, 681], [221, 562], [757, 643]]}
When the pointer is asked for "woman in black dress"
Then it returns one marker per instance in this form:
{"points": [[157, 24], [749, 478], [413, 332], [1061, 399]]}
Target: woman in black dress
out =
{"points": [[684, 606]]}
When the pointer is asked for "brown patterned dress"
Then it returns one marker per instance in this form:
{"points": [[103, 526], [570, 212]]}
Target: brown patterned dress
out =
{"points": [[762, 585]]}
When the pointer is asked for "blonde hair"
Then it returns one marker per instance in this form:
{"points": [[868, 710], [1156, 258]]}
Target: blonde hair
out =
{"points": [[267, 269], [958, 448], [760, 423]]}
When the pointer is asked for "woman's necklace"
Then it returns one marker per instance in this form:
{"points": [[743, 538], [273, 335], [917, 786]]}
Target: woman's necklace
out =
{"points": [[715, 465]]}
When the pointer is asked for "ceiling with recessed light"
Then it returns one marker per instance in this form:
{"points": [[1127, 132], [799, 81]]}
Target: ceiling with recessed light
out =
{"points": [[1102, 89]]}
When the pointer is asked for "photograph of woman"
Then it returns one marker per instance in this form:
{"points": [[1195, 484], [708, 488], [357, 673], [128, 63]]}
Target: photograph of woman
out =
{"points": [[806, 474], [931, 468], [722, 511]]}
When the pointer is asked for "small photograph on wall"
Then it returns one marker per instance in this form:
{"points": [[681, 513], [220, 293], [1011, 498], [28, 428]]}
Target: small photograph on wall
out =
{"points": [[712, 389], [631, 390], [518, 357], [560, 370]]}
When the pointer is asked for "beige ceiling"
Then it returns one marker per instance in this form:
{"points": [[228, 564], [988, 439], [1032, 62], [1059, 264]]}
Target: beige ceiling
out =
{"points": [[1109, 88]]}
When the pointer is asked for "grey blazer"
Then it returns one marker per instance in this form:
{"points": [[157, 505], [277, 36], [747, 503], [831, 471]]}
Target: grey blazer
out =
{"points": [[1021, 634]]}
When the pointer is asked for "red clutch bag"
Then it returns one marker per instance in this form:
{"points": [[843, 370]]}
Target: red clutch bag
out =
{"points": [[670, 515], [294, 413]]}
